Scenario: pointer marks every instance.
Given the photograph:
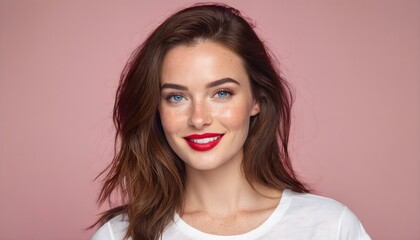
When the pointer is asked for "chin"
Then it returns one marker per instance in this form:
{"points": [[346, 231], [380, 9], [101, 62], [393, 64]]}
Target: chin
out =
{"points": [[204, 164]]}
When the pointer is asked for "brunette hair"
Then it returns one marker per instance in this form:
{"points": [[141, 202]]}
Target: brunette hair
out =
{"points": [[145, 170]]}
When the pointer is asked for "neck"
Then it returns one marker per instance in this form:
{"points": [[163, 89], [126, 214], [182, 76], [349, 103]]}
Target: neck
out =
{"points": [[223, 191]]}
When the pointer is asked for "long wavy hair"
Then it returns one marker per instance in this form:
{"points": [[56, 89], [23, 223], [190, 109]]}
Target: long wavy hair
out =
{"points": [[145, 170]]}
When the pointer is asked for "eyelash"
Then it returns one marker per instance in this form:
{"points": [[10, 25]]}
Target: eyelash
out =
{"points": [[172, 95], [229, 92], [226, 90]]}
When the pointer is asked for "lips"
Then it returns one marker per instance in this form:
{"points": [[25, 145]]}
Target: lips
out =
{"points": [[203, 142]]}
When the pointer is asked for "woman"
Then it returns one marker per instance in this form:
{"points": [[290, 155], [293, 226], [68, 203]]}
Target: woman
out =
{"points": [[203, 121]]}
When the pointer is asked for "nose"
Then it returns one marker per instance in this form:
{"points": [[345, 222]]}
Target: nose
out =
{"points": [[200, 115]]}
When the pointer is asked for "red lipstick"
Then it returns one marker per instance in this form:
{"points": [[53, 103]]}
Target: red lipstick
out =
{"points": [[203, 142]]}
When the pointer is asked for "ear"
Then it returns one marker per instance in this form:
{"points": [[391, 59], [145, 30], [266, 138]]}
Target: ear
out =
{"points": [[255, 108]]}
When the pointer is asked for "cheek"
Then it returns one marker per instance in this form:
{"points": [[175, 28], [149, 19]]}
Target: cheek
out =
{"points": [[235, 117], [170, 120]]}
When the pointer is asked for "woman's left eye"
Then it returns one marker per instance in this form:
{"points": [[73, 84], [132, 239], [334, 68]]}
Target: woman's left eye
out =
{"points": [[223, 94]]}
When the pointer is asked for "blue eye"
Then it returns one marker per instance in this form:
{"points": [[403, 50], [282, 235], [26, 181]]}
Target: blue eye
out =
{"points": [[223, 94], [175, 98]]}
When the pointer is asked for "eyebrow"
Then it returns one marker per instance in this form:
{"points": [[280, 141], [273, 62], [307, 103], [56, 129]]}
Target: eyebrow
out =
{"points": [[208, 85]]}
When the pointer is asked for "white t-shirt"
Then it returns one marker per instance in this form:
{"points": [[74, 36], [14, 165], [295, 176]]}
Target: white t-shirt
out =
{"points": [[298, 216]]}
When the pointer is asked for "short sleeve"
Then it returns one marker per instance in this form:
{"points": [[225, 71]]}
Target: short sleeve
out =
{"points": [[350, 227], [103, 233], [114, 229]]}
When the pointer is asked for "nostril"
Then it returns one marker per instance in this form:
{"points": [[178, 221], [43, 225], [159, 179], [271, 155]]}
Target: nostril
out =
{"points": [[200, 116]]}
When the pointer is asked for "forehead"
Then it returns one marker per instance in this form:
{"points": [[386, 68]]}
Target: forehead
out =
{"points": [[203, 61]]}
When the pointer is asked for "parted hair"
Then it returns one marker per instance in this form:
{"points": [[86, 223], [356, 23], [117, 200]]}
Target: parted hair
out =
{"points": [[145, 171]]}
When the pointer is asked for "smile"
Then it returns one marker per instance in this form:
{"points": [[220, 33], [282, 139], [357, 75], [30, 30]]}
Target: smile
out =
{"points": [[203, 142]]}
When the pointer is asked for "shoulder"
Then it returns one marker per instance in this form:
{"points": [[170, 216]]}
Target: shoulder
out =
{"points": [[326, 213], [311, 203], [114, 229], [351, 227]]}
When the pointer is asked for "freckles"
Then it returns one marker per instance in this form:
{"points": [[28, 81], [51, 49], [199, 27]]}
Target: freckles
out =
{"points": [[172, 119], [233, 116]]}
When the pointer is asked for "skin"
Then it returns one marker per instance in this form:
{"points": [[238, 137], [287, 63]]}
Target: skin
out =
{"points": [[206, 89]]}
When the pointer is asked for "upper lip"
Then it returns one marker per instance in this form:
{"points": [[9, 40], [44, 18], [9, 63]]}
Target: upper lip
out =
{"points": [[204, 135]]}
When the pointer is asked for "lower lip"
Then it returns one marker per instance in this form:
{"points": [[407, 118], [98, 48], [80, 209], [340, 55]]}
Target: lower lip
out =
{"points": [[203, 146]]}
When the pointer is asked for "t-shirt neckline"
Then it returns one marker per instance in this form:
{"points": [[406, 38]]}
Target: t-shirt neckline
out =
{"points": [[265, 227]]}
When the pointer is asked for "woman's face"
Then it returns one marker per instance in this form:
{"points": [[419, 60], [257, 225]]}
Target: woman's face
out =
{"points": [[206, 104]]}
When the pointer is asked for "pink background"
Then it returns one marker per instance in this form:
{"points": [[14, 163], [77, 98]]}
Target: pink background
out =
{"points": [[354, 65]]}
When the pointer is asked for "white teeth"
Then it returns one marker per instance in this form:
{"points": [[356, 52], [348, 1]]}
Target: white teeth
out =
{"points": [[204, 140]]}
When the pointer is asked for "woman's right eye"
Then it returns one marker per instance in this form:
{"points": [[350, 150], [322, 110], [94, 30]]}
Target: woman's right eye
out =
{"points": [[175, 98]]}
